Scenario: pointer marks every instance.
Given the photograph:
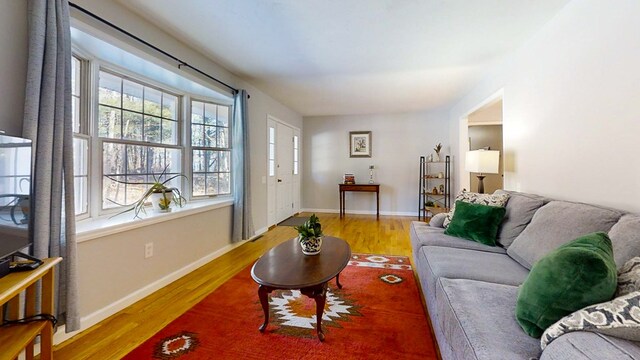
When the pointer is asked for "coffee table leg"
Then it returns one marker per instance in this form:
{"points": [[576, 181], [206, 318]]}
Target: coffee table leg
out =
{"points": [[338, 281], [263, 294], [320, 301]]}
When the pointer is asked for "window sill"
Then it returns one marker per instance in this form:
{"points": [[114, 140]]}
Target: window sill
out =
{"points": [[94, 228]]}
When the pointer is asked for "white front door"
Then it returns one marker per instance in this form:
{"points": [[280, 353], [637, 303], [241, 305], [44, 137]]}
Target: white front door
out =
{"points": [[284, 172]]}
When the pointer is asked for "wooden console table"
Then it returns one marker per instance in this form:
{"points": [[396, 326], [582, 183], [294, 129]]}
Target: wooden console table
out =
{"points": [[343, 188], [16, 338]]}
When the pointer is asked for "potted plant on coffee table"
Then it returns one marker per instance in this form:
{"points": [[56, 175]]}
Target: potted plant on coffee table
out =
{"points": [[310, 235], [161, 196]]}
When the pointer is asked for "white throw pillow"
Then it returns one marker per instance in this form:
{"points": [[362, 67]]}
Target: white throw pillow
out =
{"points": [[499, 200]]}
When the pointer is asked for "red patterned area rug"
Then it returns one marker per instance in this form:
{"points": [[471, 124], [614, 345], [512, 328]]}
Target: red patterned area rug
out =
{"points": [[376, 315]]}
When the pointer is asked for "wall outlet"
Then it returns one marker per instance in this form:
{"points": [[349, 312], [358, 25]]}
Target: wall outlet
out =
{"points": [[148, 250]]}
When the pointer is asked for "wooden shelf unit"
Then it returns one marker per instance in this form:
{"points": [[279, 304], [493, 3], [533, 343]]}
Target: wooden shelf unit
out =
{"points": [[16, 338]]}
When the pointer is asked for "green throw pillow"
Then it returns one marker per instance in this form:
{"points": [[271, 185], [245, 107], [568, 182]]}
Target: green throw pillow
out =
{"points": [[476, 222], [577, 274]]}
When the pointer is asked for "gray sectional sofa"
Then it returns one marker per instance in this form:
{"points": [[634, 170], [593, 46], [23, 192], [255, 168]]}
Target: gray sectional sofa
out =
{"points": [[471, 289]]}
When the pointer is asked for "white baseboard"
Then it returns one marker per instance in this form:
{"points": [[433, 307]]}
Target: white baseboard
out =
{"points": [[111, 309], [363, 212], [259, 232]]}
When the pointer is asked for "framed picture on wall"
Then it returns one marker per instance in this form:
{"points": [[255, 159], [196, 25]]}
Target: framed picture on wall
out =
{"points": [[360, 144]]}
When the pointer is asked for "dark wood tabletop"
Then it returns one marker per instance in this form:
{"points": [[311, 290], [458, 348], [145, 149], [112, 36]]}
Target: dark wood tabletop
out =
{"points": [[286, 267]]}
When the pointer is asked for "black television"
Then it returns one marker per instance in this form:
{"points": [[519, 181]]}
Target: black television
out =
{"points": [[15, 191]]}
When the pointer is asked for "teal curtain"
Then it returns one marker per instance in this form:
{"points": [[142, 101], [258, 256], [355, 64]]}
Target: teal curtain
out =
{"points": [[240, 174]]}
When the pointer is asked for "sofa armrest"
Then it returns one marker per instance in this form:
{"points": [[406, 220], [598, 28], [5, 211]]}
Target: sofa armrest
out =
{"points": [[438, 220], [581, 345]]}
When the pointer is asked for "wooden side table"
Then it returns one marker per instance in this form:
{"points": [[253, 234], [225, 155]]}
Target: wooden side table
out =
{"points": [[343, 188], [15, 338]]}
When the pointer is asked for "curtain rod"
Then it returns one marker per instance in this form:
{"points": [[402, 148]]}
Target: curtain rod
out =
{"points": [[181, 63]]}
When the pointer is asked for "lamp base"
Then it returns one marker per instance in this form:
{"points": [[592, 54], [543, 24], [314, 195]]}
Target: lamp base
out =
{"points": [[480, 184]]}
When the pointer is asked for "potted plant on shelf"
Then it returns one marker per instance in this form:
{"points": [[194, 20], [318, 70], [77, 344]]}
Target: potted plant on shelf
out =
{"points": [[437, 150], [159, 194], [310, 235]]}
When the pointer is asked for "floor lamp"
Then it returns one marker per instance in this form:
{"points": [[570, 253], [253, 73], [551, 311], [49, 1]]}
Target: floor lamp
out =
{"points": [[482, 162]]}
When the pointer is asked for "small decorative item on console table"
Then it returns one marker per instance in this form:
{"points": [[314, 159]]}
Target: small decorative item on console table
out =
{"points": [[349, 179]]}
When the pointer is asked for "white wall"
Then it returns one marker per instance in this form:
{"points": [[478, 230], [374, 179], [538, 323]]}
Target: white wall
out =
{"points": [[113, 267], [13, 62], [260, 106], [398, 141], [571, 114]]}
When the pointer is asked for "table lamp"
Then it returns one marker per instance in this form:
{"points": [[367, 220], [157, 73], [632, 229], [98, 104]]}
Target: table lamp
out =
{"points": [[482, 162]]}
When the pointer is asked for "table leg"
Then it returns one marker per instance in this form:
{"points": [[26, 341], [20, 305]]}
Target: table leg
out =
{"points": [[319, 294], [263, 294], [340, 196], [320, 301], [377, 204], [338, 281]]}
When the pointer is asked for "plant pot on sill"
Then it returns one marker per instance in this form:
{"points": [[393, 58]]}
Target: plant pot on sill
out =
{"points": [[310, 245], [161, 201]]}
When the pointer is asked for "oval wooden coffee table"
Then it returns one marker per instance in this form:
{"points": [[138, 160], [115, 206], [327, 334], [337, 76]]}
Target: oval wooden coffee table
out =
{"points": [[286, 267]]}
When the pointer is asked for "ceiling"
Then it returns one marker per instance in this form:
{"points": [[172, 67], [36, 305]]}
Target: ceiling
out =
{"points": [[335, 57]]}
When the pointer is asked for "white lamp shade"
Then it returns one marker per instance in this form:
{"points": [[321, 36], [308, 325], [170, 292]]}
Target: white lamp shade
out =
{"points": [[483, 161]]}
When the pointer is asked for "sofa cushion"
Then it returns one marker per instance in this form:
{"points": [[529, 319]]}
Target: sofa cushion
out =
{"points": [[577, 274], [477, 321], [425, 235], [625, 237], [557, 223], [475, 198], [476, 222], [520, 210], [583, 345], [469, 264]]}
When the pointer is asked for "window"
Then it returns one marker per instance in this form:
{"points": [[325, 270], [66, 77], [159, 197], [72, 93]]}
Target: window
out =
{"points": [[129, 129], [296, 153], [139, 128], [211, 148], [80, 136], [272, 151]]}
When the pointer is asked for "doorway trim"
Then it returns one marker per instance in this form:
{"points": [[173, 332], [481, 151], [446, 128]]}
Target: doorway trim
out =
{"points": [[272, 202], [463, 140]]}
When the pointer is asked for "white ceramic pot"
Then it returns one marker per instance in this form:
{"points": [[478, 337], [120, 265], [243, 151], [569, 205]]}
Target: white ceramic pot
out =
{"points": [[161, 202], [310, 246]]}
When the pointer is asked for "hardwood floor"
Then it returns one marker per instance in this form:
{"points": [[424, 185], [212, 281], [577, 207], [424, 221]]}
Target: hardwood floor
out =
{"points": [[119, 334]]}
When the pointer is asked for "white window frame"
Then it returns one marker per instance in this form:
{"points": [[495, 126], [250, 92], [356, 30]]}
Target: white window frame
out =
{"points": [[191, 147], [84, 124], [91, 70]]}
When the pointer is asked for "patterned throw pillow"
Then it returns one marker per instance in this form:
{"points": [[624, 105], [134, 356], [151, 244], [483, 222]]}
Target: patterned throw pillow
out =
{"points": [[629, 277], [499, 200], [619, 317]]}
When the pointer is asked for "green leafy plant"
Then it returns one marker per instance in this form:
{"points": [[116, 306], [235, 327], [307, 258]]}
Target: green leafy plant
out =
{"points": [[310, 229], [169, 194]]}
